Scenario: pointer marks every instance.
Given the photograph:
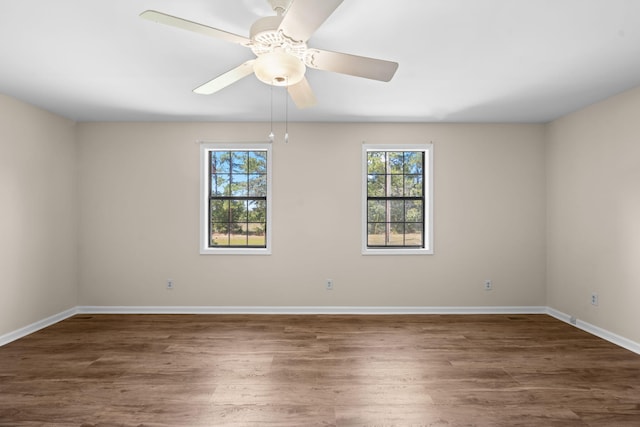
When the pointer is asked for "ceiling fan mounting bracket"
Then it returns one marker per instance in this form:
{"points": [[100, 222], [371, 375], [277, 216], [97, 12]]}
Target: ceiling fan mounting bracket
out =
{"points": [[280, 6]]}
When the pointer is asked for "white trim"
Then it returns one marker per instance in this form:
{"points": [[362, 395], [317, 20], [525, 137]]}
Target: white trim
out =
{"points": [[595, 330], [560, 315], [306, 310], [585, 326], [36, 326], [205, 147], [427, 148]]}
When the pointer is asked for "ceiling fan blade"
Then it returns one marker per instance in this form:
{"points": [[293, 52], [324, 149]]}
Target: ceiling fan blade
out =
{"points": [[226, 79], [304, 17], [302, 94], [359, 66], [163, 18]]}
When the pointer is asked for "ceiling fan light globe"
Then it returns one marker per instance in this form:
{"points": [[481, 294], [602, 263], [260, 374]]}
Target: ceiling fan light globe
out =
{"points": [[279, 69]]}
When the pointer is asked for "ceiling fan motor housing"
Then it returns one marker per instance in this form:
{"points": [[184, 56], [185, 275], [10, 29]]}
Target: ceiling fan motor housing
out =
{"points": [[265, 25], [280, 60]]}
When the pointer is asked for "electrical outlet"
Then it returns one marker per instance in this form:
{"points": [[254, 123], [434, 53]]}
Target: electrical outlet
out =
{"points": [[594, 299], [329, 284], [488, 285], [169, 284]]}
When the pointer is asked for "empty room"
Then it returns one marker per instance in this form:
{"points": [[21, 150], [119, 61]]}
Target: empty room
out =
{"points": [[320, 213]]}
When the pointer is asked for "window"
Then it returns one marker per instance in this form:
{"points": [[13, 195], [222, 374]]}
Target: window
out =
{"points": [[397, 203], [235, 214]]}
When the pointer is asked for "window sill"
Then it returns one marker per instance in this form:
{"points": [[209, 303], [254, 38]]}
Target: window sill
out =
{"points": [[235, 251], [398, 251]]}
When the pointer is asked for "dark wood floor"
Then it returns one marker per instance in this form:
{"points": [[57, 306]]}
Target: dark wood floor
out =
{"points": [[259, 370]]}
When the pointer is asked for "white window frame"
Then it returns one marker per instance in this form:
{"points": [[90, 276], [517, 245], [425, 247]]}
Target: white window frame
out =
{"points": [[428, 209], [205, 149]]}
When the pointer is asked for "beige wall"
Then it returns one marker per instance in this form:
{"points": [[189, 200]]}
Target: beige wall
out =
{"points": [[139, 218], [133, 212], [594, 214], [38, 197]]}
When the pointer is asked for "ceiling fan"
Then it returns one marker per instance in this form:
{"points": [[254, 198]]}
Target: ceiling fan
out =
{"points": [[280, 45]]}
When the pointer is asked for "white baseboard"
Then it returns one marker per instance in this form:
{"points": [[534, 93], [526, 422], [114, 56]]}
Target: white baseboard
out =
{"points": [[592, 329], [595, 330], [36, 326], [306, 310]]}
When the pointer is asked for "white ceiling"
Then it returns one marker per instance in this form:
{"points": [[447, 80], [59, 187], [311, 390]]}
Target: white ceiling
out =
{"points": [[460, 60]]}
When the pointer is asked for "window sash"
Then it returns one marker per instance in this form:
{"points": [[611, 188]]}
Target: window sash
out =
{"points": [[239, 171]]}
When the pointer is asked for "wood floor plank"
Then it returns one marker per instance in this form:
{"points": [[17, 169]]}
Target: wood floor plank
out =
{"points": [[317, 370]]}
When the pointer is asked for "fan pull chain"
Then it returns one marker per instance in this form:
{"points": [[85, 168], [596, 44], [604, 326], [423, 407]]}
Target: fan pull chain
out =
{"points": [[286, 113], [271, 134]]}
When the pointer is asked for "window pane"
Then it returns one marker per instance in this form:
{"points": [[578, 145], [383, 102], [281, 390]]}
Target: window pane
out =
{"points": [[397, 186], [257, 211], [258, 240], [376, 211], [376, 185], [413, 234], [257, 235], [220, 228], [239, 185], [257, 185], [396, 235], [220, 185], [396, 213], [219, 211], [375, 234], [376, 162], [238, 234], [238, 211], [413, 211], [239, 161], [395, 161], [413, 185], [220, 162], [219, 234], [413, 162], [257, 162]]}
